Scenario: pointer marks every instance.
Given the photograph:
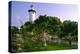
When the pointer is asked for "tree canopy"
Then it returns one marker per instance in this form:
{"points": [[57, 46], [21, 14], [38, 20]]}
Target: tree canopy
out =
{"points": [[45, 26]]}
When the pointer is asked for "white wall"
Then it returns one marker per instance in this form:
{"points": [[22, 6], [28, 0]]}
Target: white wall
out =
{"points": [[32, 16]]}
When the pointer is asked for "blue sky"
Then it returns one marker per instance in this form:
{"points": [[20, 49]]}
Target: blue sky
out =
{"points": [[63, 11]]}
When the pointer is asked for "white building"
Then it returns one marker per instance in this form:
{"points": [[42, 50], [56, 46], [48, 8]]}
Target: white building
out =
{"points": [[32, 14]]}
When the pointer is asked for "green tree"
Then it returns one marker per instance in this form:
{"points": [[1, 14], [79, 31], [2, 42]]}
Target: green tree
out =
{"points": [[44, 26], [48, 24], [14, 29], [70, 30], [16, 40]]}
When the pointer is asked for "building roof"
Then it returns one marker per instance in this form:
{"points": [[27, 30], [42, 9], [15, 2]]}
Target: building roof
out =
{"points": [[31, 10]]}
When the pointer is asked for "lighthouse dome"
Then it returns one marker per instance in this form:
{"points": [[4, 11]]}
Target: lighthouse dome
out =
{"points": [[31, 9]]}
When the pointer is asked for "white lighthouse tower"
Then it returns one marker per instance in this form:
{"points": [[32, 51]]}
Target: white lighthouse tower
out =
{"points": [[32, 13]]}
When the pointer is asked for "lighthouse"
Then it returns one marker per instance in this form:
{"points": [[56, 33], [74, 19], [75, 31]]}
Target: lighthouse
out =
{"points": [[32, 13]]}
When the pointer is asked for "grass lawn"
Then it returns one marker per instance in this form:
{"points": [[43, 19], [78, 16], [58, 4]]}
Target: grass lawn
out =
{"points": [[54, 46], [59, 47], [38, 46]]}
